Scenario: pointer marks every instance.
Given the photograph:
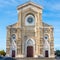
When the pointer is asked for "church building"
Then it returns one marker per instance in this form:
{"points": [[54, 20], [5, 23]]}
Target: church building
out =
{"points": [[30, 36]]}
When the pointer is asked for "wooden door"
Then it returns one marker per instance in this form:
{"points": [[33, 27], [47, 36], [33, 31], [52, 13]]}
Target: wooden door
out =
{"points": [[46, 53], [13, 53], [30, 51]]}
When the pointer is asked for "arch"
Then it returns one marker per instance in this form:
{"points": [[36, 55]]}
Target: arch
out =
{"points": [[13, 49], [29, 43], [30, 40], [46, 50], [30, 14]]}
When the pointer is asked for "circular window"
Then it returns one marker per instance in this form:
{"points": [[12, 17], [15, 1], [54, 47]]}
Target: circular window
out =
{"points": [[13, 37], [30, 20], [46, 37]]}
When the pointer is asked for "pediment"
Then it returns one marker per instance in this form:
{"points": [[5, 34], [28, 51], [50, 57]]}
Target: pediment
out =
{"points": [[13, 25], [29, 10], [46, 25], [29, 4]]}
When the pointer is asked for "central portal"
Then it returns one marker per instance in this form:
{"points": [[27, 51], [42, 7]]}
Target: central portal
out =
{"points": [[30, 51], [30, 48]]}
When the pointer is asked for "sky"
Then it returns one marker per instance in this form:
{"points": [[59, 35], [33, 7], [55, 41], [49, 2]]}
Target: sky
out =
{"points": [[9, 15]]}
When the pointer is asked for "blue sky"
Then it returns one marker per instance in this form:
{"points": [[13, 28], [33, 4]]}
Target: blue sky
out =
{"points": [[8, 16]]}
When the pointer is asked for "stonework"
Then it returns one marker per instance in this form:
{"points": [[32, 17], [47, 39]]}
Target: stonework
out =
{"points": [[30, 32]]}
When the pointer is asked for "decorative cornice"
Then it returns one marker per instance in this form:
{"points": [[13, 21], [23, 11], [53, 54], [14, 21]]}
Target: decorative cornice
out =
{"points": [[29, 3]]}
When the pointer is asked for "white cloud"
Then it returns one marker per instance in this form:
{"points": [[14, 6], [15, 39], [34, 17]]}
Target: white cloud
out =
{"points": [[14, 1], [53, 12], [57, 45], [56, 6], [4, 3], [51, 5]]}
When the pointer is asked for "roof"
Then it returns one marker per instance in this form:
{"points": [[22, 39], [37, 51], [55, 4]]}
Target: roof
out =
{"points": [[13, 25], [47, 25], [29, 3]]}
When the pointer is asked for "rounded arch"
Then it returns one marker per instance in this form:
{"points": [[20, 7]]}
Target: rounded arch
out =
{"points": [[46, 45], [30, 14], [13, 49]]}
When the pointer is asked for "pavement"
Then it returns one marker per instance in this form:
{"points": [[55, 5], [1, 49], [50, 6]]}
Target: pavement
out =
{"points": [[9, 58], [35, 58]]}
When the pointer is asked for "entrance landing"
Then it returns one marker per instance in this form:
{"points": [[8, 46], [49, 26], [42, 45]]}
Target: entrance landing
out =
{"points": [[35, 58]]}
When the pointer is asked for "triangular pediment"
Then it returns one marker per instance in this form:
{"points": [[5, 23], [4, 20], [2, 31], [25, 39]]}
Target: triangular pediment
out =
{"points": [[13, 25], [29, 4], [46, 25]]}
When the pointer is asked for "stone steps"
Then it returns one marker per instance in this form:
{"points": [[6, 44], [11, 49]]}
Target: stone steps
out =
{"points": [[35, 59]]}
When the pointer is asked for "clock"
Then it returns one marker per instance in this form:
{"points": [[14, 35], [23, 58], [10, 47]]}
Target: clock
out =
{"points": [[30, 20]]}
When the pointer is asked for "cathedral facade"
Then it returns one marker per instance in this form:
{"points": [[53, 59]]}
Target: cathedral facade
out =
{"points": [[30, 37]]}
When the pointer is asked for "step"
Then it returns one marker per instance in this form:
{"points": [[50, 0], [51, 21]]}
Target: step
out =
{"points": [[35, 59]]}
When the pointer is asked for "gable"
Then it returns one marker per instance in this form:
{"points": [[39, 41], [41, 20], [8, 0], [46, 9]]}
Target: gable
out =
{"points": [[13, 25], [29, 4]]}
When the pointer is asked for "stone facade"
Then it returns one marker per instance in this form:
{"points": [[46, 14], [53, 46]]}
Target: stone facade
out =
{"points": [[37, 34]]}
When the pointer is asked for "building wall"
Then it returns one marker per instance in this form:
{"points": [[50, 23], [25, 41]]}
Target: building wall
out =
{"points": [[36, 32]]}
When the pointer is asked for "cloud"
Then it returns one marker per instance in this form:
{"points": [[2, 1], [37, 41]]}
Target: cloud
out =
{"points": [[10, 2], [56, 7], [13, 1], [51, 5], [9, 12], [4, 3], [57, 45], [51, 14]]}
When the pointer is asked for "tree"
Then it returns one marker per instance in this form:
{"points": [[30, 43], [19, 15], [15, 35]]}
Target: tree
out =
{"points": [[2, 52], [57, 52]]}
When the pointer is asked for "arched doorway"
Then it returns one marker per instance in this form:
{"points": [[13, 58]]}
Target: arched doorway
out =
{"points": [[13, 53], [13, 49], [46, 46], [30, 47], [46, 53], [30, 51]]}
